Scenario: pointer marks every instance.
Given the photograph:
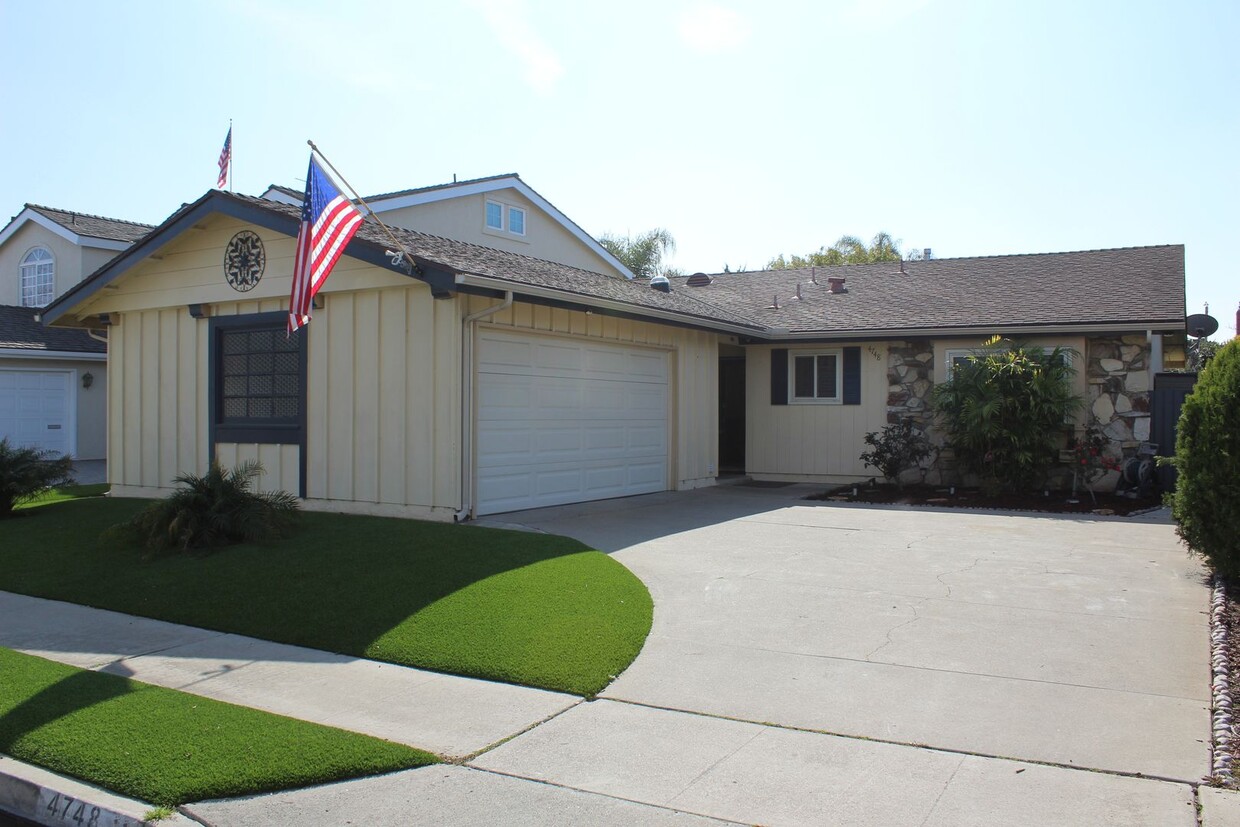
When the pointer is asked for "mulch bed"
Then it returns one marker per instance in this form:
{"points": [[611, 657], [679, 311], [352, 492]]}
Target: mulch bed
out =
{"points": [[1056, 502]]}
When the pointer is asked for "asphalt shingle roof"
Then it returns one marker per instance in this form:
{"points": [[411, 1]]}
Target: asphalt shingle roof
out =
{"points": [[94, 226], [19, 331], [1133, 284], [1140, 286], [520, 270]]}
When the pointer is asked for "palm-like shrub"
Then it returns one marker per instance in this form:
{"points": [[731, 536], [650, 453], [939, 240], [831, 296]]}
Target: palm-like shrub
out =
{"points": [[25, 473], [1003, 411], [215, 509], [1206, 503]]}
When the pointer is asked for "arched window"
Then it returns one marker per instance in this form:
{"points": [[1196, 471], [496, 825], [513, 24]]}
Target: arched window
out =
{"points": [[38, 278]]}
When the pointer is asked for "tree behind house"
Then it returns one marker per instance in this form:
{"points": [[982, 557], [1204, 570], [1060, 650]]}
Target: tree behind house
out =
{"points": [[847, 250], [644, 253]]}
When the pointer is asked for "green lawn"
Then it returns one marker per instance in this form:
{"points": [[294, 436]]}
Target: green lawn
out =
{"points": [[169, 747], [532, 609], [68, 492]]}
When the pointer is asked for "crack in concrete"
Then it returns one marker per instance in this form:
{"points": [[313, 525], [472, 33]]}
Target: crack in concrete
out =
{"points": [[916, 617], [703, 773], [939, 577], [935, 804]]}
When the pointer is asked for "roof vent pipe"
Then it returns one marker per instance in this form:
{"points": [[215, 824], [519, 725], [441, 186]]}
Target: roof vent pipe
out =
{"points": [[813, 275], [798, 291], [836, 284], [661, 284], [774, 303]]}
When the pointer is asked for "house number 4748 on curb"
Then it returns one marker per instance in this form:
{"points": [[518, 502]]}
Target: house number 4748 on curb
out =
{"points": [[68, 810]]}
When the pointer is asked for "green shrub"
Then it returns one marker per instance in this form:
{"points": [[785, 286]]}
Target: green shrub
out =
{"points": [[896, 448], [215, 509], [1206, 503], [1004, 409], [25, 473]]}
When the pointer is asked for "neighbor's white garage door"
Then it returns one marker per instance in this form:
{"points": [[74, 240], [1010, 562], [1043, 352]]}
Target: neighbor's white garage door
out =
{"points": [[563, 420], [35, 409]]}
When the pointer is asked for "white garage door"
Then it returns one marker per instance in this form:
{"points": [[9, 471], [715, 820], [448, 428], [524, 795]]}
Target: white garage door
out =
{"points": [[563, 421], [35, 409]]}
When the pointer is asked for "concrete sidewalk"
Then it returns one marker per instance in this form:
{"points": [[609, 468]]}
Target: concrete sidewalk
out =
{"points": [[445, 714]]}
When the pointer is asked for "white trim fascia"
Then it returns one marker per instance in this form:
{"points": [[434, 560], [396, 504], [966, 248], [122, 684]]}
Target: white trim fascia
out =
{"points": [[776, 335], [273, 194], [607, 304], [30, 353], [68, 235], [397, 202]]}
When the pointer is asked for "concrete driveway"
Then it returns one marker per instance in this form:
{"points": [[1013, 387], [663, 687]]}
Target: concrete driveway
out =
{"points": [[820, 663]]}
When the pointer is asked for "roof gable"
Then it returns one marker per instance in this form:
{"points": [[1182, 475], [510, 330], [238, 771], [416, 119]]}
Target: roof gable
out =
{"points": [[400, 199], [83, 229], [446, 264]]}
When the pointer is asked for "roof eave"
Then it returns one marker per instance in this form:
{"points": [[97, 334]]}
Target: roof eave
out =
{"points": [[577, 300], [1074, 328]]}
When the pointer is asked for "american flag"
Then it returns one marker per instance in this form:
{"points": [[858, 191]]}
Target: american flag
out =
{"points": [[225, 158], [328, 221]]}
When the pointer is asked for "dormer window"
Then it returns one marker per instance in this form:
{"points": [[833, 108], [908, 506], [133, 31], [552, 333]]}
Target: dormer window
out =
{"points": [[505, 218], [38, 278]]}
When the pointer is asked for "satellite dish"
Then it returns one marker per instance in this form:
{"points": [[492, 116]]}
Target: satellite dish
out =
{"points": [[1201, 325]]}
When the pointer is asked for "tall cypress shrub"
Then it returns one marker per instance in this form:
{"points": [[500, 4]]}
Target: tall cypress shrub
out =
{"points": [[1206, 503]]}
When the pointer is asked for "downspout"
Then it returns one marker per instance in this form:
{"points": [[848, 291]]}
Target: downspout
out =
{"points": [[92, 334], [1156, 354], [467, 404]]}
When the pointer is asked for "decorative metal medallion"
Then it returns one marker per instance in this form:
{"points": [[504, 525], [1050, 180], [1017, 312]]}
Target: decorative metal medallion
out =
{"points": [[244, 261]]}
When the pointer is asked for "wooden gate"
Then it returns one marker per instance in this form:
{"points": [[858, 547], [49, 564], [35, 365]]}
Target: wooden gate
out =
{"points": [[1169, 392]]}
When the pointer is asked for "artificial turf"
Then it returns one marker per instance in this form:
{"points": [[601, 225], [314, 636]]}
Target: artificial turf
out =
{"points": [[169, 747], [526, 608]]}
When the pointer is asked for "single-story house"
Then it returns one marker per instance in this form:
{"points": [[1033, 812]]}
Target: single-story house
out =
{"points": [[53, 382], [476, 379]]}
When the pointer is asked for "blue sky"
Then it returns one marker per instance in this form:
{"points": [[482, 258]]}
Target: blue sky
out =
{"points": [[745, 128]]}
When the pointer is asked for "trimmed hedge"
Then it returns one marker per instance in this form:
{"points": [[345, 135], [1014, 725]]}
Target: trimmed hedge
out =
{"points": [[1206, 503]]}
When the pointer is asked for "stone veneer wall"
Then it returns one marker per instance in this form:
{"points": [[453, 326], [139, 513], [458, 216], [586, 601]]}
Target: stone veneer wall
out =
{"points": [[1117, 400], [1118, 372], [910, 377]]}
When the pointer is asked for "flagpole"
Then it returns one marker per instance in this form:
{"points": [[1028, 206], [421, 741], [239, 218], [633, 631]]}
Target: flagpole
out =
{"points": [[362, 201], [231, 185]]}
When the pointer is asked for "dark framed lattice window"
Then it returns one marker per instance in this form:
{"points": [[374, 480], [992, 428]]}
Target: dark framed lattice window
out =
{"points": [[258, 377]]}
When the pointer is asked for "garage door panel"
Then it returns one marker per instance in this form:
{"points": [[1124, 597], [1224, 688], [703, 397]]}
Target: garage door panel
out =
{"points": [[35, 409], [562, 421]]}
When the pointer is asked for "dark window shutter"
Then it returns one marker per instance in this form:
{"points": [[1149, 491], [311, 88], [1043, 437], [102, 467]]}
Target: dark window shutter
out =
{"points": [[852, 376], [779, 376]]}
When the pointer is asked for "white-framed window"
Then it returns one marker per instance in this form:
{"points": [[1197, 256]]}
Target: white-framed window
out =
{"points": [[815, 377], [38, 278], [957, 356], [495, 216], [504, 218]]}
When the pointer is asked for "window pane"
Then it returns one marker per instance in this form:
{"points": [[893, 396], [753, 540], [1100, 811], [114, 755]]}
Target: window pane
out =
{"points": [[259, 375], [803, 377], [495, 216], [516, 221], [826, 377]]}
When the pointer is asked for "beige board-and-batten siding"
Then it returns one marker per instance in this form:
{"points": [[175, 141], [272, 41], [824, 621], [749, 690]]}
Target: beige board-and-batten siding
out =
{"points": [[812, 442], [383, 371], [383, 386]]}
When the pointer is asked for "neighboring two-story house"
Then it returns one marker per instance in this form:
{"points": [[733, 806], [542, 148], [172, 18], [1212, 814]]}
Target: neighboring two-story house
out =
{"points": [[53, 382]]}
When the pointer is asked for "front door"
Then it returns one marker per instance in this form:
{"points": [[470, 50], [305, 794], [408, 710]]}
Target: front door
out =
{"points": [[732, 414]]}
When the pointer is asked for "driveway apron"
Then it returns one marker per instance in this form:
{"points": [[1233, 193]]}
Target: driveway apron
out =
{"points": [[890, 665]]}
